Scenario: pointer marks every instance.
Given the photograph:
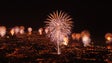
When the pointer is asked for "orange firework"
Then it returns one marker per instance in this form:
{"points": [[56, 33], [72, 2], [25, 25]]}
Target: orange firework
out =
{"points": [[78, 36], [21, 29], [12, 31], [108, 36], [85, 32], [73, 36]]}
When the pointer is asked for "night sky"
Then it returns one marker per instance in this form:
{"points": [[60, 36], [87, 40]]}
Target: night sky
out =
{"points": [[90, 15]]}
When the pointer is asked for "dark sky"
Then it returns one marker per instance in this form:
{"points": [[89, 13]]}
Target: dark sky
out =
{"points": [[91, 15]]}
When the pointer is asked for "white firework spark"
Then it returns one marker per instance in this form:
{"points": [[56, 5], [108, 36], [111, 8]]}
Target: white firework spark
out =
{"points": [[60, 25]]}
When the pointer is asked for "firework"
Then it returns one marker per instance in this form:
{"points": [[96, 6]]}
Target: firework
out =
{"points": [[29, 31], [40, 31], [108, 37], [66, 40], [2, 31], [73, 36], [78, 36], [21, 29], [59, 24], [85, 32], [12, 31], [46, 30], [16, 29], [85, 38]]}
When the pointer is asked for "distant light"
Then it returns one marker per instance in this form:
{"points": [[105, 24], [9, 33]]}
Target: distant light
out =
{"points": [[2, 31], [66, 40], [16, 29], [73, 36], [12, 31], [85, 32], [46, 30], [21, 29], [86, 40], [78, 36], [29, 31], [108, 37], [7, 36], [40, 31]]}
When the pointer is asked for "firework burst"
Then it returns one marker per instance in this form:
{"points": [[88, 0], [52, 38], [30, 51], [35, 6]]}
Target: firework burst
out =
{"points": [[2, 31], [59, 24]]}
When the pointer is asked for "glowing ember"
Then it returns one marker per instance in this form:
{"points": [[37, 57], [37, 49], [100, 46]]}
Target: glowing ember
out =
{"points": [[59, 24]]}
